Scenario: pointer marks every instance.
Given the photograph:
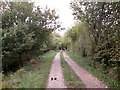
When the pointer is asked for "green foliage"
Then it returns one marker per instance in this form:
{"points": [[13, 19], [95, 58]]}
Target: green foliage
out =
{"points": [[26, 32], [102, 19], [74, 32], [78, 39], [56, 40], [32, 75], [98, 34]]}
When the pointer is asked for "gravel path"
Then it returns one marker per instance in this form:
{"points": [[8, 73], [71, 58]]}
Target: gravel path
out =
{"points": [[55, 79], [88, 79]]}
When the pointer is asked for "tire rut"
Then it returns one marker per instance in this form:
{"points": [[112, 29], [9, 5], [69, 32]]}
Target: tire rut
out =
{"points": [[56, 79], [87, 78]]}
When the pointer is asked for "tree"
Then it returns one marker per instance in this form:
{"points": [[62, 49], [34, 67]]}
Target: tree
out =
{"points": [[103, 22], [26, 30], [78, 38]]}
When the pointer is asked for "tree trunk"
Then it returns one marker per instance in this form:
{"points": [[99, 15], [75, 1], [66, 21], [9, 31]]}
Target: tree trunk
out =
{"points": [[20, 59]]}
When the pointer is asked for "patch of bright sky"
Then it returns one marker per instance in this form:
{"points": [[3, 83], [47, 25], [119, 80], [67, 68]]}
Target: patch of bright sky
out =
{"points": [[62, 8]]}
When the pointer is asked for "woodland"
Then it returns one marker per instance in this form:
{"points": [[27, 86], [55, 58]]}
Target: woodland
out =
{"points": [[29, 31]]}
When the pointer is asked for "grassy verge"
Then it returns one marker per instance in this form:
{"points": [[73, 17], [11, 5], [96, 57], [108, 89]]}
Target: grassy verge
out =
{"points": [[84, 62], [33, 75], [71, 79]]}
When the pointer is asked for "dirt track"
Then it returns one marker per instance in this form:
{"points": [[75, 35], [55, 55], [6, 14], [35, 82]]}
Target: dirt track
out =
{"points": [[56, 79], [88, 79]]}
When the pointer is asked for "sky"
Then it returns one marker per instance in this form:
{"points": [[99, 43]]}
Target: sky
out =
{"points": [[62, 8]]}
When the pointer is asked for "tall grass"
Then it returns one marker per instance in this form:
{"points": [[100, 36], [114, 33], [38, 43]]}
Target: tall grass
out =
{"points": [[33, 75]]}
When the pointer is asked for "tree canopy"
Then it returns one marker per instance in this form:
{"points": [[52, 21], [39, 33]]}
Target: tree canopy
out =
{"points": [[97, 33], [26, 31]]}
